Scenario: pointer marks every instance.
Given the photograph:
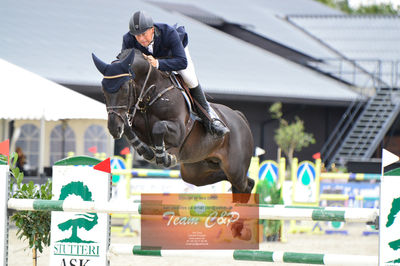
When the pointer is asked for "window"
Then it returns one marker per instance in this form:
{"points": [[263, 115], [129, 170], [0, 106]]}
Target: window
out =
{"points": [[28, 141], [62, 141], [95, 139]]}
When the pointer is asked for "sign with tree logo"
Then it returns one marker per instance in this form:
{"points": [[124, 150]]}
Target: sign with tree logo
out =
{"points": [[389, 241], [79, 239]]}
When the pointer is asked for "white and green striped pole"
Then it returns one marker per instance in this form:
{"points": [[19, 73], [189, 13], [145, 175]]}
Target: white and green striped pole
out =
{"points": [[248, 255], [269, 212]]}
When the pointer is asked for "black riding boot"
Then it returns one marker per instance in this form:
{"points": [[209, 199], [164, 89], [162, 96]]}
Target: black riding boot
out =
{"points": [[215, 125]]}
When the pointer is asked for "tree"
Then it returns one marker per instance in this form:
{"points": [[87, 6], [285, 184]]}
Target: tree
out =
{"points": [[343, 5], [290, 137], [33, 226]]}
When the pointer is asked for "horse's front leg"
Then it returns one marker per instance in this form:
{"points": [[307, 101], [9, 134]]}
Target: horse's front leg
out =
{"points": [[137, 144], [161, 130]]}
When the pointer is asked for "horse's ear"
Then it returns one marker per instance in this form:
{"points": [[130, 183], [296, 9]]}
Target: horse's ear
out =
{"points": [[128, 60], [100, 65]]}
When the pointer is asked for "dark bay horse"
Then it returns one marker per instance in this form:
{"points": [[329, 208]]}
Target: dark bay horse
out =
{"points": [[145, 105]]}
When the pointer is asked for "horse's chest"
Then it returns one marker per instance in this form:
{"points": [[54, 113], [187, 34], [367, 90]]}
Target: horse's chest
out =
{"points": [[143, 124]]}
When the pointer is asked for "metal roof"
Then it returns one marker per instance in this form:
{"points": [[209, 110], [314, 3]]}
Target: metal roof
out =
{"points": [[55, 39], [266, 18], [372, 42]]}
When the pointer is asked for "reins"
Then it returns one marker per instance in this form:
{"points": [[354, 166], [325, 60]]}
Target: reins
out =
{"points": [[140, 104], [111, 109]]}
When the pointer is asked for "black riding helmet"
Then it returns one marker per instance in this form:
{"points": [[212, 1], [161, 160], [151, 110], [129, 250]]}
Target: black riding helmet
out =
{"points": [[139, 23]]}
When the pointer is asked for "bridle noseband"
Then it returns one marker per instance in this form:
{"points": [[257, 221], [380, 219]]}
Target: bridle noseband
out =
{"points": [[140, 103], [113, 109]]}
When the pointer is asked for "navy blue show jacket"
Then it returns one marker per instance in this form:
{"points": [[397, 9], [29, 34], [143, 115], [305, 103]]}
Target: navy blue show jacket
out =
{"points": [[168, 47]]}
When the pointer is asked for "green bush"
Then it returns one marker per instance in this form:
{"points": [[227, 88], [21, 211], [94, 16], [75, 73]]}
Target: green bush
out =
{"points": [[33, 226]]}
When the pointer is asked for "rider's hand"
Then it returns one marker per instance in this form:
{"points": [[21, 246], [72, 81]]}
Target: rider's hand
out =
{"points": [[151, 60]]}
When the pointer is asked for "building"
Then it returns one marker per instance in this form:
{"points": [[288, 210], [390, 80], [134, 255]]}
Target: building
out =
{"points": [[247, 54]]}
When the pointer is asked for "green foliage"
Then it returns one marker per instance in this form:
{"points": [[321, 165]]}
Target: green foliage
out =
{"points": [[330, 3], [290, 137], [32, 225], [3, 158], [269, 194], [377, 9], [343, 5]]}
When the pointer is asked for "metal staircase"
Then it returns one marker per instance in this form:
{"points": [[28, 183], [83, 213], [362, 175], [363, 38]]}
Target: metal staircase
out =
{"points": [[364, 124], [361, 130]]}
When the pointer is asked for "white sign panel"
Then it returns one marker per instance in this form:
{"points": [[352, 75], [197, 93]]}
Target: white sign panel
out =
{"points": [[306, 188], [79, 238], [4, 169], [389, 241]]}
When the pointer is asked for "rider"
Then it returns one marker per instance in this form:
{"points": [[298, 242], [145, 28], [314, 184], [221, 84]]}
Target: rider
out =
{"points": [[157, 41]]}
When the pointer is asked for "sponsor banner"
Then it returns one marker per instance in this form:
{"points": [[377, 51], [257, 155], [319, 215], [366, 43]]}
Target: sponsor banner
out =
{"points": [[389, 241], [79, 238], [370, 192], [305, 188], [199, 221]]}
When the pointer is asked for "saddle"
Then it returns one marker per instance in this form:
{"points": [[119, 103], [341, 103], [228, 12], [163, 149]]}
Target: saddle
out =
{"points": [[193, 105]]}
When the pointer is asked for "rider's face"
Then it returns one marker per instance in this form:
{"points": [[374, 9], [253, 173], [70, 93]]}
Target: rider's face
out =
{"points": [[146, 37]]}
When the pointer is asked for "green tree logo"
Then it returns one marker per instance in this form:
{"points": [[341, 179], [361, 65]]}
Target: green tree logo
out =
{"points": [[395, 245], [87, 221]]}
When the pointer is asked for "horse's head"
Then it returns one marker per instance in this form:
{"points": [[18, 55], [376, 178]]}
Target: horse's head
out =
{"points": [[117, 85]]}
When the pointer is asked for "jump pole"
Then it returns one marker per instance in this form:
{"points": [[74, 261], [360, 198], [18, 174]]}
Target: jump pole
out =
{"points": [[323, 259], [269, 212], [248, 255]]}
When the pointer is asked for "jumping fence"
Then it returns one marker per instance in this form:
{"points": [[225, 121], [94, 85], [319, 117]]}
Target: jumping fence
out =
{"points": [[82, 190]]}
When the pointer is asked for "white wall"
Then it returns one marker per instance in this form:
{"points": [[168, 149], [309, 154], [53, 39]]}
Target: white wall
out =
{"points": [[79, 127]]}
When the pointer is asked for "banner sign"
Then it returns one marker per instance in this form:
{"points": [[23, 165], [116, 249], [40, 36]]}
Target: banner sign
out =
{"points": [[389, 241], [198, 221], [79, 238], [306, 185]]}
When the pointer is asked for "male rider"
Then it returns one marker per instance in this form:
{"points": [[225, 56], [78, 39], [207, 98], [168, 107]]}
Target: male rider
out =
{"points": [[165, 48]]}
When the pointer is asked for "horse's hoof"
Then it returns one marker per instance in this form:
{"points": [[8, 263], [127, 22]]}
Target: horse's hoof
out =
{"points": [[174, 161], [171, 160], [160, 160]]}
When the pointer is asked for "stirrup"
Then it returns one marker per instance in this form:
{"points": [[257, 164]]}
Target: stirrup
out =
{"points": [[218, 127]]}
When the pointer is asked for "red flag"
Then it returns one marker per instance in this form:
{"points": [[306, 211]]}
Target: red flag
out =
{"points": [[125, 151], [316, 156], [104, 166], [93, 149], [5, 147]]}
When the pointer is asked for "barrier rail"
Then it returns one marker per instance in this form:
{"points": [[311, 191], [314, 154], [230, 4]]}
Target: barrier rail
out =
{"points": [[249, 255], [269, 212]]}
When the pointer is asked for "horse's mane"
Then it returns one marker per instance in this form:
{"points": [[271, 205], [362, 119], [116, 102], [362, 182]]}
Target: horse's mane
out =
{"points": [[125, 53]]}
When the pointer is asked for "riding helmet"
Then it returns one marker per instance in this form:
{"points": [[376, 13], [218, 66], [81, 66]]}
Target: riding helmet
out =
{"points": [[139, 23]]}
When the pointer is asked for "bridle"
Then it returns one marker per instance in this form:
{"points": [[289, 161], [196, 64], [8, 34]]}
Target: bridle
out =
{"points": [[140, 103], [113, 109]]}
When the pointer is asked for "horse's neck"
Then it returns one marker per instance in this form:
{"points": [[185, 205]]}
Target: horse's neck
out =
{"points": [[141, 69]]}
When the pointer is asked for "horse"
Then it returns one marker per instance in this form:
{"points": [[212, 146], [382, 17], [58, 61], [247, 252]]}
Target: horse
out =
{"points": [[145, 105]]}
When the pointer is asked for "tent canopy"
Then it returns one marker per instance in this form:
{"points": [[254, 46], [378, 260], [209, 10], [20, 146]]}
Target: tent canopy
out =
{"points": [[30, 96]]}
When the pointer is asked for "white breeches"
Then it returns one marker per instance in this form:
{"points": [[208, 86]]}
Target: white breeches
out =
{"points": [[189, 74]]}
